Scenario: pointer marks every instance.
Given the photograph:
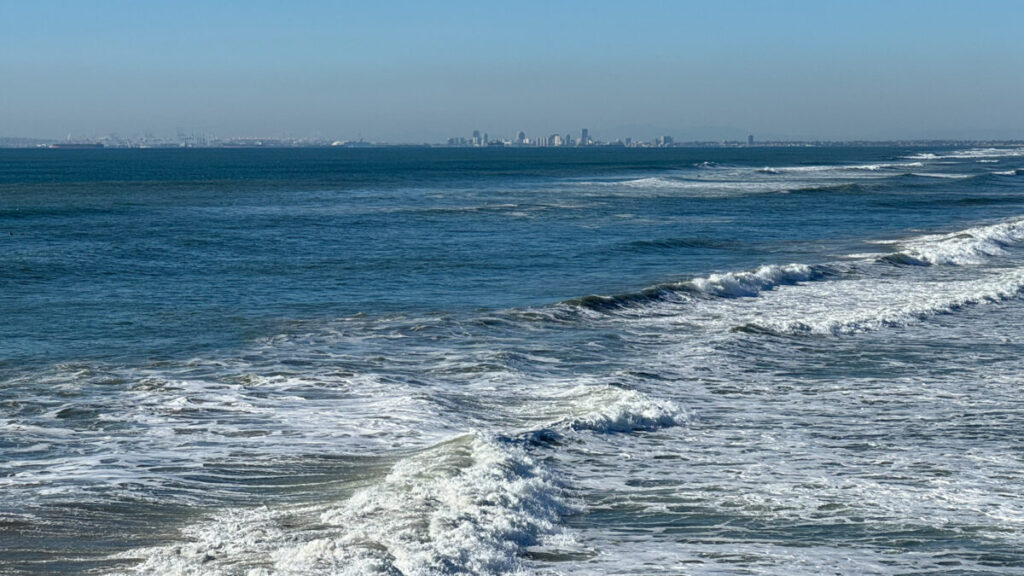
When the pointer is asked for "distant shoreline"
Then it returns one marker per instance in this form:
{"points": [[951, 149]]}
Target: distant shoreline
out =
{"points": [[38, 144]]}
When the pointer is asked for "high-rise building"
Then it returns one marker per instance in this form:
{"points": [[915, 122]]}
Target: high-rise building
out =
{"points": [[585, 137], [750, 140]]}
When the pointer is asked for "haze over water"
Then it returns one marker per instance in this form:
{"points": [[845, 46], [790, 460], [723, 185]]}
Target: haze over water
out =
{"points": [[478, 361]]}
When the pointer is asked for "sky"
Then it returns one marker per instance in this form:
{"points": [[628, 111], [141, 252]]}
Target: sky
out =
{"points": [[418, 71]]}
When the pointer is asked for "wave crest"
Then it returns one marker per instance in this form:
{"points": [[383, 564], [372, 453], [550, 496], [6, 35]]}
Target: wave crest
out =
{"points": [[970, 246], [470, 505], [611, 409], [901, 305], [753, 282]]}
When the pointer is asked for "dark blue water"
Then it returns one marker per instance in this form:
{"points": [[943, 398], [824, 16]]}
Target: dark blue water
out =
{"points": [[756, 360], [161, 253]]}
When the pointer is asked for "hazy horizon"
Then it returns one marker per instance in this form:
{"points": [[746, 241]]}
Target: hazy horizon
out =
{"points": [[407, 72]]}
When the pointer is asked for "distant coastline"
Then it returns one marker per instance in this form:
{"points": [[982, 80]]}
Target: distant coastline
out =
{"points": [[266, 143]]}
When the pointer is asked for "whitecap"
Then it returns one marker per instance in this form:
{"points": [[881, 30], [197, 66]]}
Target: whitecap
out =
{"points": [[868, 305], [970, 246], [612, 409], [753, 282], [470, 505]]}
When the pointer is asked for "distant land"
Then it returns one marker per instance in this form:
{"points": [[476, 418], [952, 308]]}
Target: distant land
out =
{"points": [[583, 140]]}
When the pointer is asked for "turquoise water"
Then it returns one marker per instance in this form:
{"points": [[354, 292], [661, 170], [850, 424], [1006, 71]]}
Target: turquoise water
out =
{"points": [[431, 361]]}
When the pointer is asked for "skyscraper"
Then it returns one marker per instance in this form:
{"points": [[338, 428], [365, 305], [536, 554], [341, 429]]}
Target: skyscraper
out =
{"points": [[585, 137], [750, 140]]}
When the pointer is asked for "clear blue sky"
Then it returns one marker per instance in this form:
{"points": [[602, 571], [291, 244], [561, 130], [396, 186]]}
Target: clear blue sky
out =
{"points": [[423, 71]]}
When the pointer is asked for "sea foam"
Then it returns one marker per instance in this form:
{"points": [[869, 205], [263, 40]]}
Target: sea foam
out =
{"points": [[468, 506], [753, 282], [970, 246], [610, 409], [861, 306]]}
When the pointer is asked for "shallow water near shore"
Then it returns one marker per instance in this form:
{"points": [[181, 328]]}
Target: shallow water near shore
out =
{"points": [[460, 361]]}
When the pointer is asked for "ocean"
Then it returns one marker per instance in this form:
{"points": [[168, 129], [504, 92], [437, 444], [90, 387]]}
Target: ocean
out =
{"points": [[512, 361]]}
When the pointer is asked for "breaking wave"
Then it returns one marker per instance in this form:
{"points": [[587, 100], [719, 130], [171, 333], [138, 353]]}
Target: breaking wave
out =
{"points": [[753, 282], [971, 153], [839, 168], [857, 307], [726, 285], [609, 409], [970, 246], [468, 506]]}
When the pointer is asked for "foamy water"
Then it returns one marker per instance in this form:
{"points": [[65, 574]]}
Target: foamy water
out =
{"points": [[820, 381]]}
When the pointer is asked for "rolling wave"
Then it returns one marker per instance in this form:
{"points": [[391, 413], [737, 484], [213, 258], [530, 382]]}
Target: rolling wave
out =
{"points": [[753, 282], [838, 298], [609, 409], [965, 247], [726, 285], [469, 505], [853, 307], [974, 153], [838, 168]]}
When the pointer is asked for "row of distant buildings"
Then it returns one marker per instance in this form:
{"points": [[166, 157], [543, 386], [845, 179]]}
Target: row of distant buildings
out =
{"points": [[478, 140]]}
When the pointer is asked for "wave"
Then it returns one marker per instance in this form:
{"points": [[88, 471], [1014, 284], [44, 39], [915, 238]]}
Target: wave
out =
{"points": [[971, 153], [867, 306], [827, 168], [470, 505], [943, 175], [970, 246], [839, 298], [753, 282], [727, 285], [664, 298], [656, 182], [609, 409]]}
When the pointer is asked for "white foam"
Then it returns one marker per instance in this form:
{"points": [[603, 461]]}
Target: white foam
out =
{"points": [[839, 168], [705, 187], [613, 409], [752, 283], [847, 307], [470, 505], [943, 175], [971, 153], [970, 246], [159, 426]]}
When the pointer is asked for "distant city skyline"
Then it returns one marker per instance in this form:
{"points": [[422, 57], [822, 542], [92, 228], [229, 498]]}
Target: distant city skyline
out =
{"points": [[418, 72]]}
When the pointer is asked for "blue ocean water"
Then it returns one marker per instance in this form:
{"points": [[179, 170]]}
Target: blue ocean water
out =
{"points": [[492, 361]]}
